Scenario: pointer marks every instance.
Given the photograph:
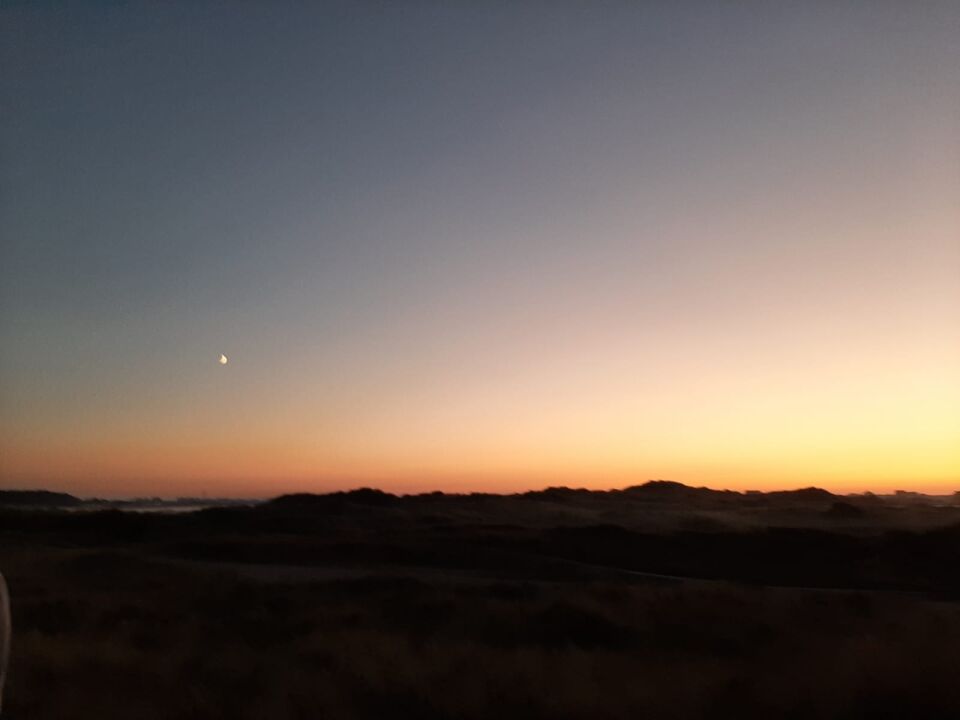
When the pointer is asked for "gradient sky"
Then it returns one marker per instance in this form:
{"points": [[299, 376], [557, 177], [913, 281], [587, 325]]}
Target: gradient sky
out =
{"points": [[479, 245]]}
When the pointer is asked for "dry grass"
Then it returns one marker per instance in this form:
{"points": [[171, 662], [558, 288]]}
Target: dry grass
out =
{"points": [[107, 635]]}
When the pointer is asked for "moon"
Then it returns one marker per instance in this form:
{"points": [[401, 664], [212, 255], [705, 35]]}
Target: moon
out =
{"points": [[223, 359]]}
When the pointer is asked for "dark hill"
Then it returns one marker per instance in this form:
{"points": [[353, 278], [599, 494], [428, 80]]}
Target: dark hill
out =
{"points": [[670, 491], [805, 495], [336, 500], [38, 498]]}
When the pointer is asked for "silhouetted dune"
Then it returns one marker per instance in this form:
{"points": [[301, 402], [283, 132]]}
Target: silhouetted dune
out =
{"points": [[561, 494], [667, 491], [808, 495], [38, 498], [330, 501], [716, 595]]}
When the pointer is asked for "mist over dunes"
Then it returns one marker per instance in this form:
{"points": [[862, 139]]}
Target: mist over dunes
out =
{"points": [[798, 538]]}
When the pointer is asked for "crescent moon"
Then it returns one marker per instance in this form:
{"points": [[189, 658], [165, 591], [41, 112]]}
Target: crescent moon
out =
{"points": [[223, 359]]}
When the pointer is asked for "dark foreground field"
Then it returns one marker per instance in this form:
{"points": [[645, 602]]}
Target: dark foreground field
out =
{"points": [[663, 602]]}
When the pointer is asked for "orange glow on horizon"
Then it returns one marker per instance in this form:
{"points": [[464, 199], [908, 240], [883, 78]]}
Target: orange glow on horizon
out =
{"points": [[771, 426], [777, 421]]}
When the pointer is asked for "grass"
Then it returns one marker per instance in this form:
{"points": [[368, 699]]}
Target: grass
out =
{"points": [[105, 634]]}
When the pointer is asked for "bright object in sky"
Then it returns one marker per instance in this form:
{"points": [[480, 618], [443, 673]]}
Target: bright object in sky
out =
{"points": [[223, 359]]}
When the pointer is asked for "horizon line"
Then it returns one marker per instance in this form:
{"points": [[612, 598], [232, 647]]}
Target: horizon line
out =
{"points": [[453, 493]]}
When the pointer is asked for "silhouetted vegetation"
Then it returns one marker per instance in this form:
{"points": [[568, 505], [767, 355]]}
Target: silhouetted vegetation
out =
{"points": [[655, 601]]}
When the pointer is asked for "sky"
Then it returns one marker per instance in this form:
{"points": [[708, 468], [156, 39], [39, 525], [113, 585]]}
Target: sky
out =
{"points": [[481, 246]]}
